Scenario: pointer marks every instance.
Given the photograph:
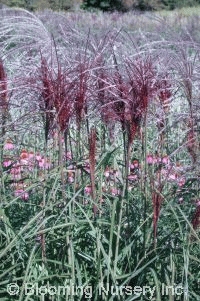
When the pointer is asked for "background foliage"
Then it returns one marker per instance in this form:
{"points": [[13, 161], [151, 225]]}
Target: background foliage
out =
{"points": [[105, 5]]}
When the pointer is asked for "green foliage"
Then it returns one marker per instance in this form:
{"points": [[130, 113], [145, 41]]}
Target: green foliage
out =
{"points": [[105, 5], [14, 3], [141, 5], [40, 4]]}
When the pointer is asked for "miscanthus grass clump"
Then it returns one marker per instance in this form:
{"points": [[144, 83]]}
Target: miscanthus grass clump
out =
{"points": [[99, 148]]}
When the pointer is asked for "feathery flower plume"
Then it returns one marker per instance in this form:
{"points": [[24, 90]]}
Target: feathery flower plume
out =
{"points": [[196, 218], [57, 95], [47, 95], [81, 91], [63, 99], [192, 142], [157, 201], [3, 97], [164, 93], [3, 86], [92, 153], [143, 86], [142, 80]]}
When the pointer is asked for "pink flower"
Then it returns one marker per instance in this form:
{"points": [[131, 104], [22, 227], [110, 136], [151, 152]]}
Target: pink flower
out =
{"points": [[197, 202], [180, 200], [24, 161], [71, 167], [16, 176], [44, 163], [156, 160], [16, 169], [88, 190], [159, 159], [87, 167], [16, 172], [31, 155], [70, 179], [22, 194], [30, 166], [14, 185], [181, 182], [114, 191], [107, 172], [179, 167], [115, 172], [24, 154], [47, 164], [55, 135], [41, 163], [69, 156], [111, 173], [132, 177], [135, 163], [172, 177], [150, 159], [7, 163], [165, 160], [8, 145], [101, 201], [164, 172], [26, 157], [38, 157]]}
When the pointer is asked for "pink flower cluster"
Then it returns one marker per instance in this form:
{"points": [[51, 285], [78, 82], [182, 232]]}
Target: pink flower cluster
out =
{"points": [[8, 145], [110, 173], [25, 163], [24, 195], [151, 159], [134, 167], [112, 178], [170, 172], [172, 175]]}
